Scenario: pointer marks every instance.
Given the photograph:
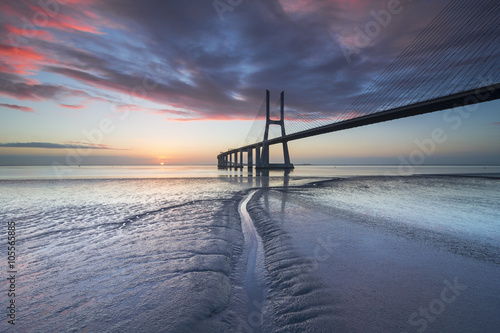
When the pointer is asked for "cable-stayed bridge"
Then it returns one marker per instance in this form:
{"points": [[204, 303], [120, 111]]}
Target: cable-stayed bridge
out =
{"points": [[453, 62]]}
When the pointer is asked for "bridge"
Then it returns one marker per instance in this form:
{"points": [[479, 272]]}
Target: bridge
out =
{"points": [[426, 77]]}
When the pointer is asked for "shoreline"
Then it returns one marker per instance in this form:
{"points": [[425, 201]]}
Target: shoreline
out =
{"points": [[195, 172], [346, 252], [369, 264]]}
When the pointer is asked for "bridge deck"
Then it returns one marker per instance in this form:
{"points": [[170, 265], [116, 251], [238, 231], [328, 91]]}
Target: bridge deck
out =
{"points": [[470, 97]]}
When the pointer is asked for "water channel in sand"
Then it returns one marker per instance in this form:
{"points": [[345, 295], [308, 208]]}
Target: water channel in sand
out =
{"points": [[255, 285]]}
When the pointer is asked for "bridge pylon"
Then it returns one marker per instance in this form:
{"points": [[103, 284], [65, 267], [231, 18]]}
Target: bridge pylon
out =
{"points": [[263, 154]]}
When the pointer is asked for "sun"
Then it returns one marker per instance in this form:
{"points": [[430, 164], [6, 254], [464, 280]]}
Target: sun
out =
{"points": [[162, 163]]}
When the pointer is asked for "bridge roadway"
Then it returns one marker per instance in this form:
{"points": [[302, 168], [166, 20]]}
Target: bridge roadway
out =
{"points": [[466, 98]]}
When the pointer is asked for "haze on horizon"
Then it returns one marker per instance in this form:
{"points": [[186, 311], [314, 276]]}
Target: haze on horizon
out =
{"points": [[125, 82]]}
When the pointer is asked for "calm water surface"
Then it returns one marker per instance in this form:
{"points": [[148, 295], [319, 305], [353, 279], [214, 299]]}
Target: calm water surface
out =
{"points": [[162, 249], [189, 171]]}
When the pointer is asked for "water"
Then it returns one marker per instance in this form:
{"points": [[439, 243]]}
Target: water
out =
{"points": [[383, 250], [173, 249], [209, 171], [128, 255]]}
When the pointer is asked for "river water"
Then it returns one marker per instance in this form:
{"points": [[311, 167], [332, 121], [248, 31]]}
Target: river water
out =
{"points": [[194, 249]]}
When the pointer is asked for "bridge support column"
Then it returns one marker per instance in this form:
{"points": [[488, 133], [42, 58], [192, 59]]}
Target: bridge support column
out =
{"points": [[264, 162], [250, 159], [264, 157], [257, 155], [220, 161], [286, 155]]}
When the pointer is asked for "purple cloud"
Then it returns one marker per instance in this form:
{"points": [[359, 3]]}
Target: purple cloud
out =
{"points": [[48, 145], [180, 53], [17, 107]]}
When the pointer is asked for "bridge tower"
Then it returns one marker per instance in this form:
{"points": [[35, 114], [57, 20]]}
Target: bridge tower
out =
{"points": [[263, 155]]}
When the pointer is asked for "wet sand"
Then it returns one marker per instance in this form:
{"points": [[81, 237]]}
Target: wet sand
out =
{"points": [[332, 268]]}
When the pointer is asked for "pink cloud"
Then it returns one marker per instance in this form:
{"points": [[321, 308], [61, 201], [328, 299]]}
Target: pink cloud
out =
{"points": [[38, 34], [66, 145], [68, 23], [177, 115], [71, 16], [307, 6], [63, 21], [14, 86], [205, 117], [17, 107], [69, 106], [20, 60], [133, 107]]}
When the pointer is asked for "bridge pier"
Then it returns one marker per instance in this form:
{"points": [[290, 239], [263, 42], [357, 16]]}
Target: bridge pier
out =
{"points": [[264, 159], [250, 159], [286, 154], [241, 159], [220, 161], [257, 155], [225, 159]]}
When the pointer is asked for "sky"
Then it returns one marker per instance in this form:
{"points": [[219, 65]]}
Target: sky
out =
{"points": [[177, 82]]}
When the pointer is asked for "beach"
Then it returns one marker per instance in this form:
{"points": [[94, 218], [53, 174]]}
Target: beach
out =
{"points": [[414, 254], [240, 253]]}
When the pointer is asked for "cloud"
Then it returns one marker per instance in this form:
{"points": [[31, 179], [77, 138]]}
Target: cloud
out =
{"points": [[19, 160], [64, 22], [16, 86], [180, 53], [48, 145], [20, 60], [17, 107], [174, 114], [199, 67], [70, 106], [66, 16], [20, 33]]}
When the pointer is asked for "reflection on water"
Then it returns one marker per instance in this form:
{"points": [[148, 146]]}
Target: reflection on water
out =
{"points": [[125, 255], [390, 243], [158, 249], [197, 171]]}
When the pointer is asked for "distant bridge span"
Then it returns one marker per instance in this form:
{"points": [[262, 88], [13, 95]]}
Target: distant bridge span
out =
{"points": [[442, 68], [466, 98]]}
